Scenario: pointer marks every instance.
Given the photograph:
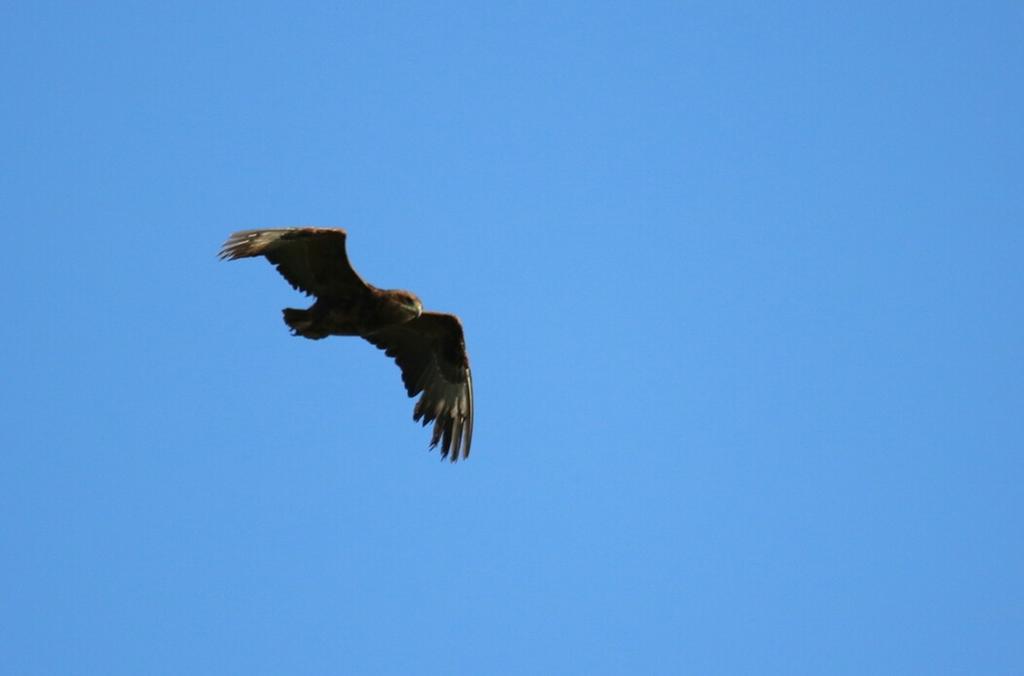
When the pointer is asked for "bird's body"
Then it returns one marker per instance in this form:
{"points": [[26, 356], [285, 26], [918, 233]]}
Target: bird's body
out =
{"points": [[358, 315], [428, 346]]}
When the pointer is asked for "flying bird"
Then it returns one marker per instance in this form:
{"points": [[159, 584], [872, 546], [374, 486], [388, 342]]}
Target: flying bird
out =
{"points": [[428, 347]]}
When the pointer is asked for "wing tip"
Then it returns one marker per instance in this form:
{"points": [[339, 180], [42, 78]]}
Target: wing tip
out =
{"points": [[454, 435], [244, 244]]}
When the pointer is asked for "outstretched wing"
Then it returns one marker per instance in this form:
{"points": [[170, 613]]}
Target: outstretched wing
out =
{"points": [[431, 351], [313, 260]]}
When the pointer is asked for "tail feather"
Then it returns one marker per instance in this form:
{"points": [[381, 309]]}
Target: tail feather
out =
{"points": [[302, 323]]}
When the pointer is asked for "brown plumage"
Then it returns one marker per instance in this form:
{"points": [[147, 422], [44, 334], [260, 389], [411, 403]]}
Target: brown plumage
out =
{"points": [[428, 347]]}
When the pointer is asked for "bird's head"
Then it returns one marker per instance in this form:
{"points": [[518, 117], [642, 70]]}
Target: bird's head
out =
{"points": [[410, 305]]}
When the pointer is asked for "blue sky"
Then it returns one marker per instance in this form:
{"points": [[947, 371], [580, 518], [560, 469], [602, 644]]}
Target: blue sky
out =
{"points": [[742, 292]]}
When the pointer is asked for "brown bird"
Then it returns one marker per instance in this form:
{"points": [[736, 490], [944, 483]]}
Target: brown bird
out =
{"points": [[428, 347]]}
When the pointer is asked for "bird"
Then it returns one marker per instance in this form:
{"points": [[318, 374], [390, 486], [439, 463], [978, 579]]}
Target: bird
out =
{"points": [[429, 347]]}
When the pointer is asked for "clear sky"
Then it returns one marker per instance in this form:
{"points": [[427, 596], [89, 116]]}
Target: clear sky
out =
{"points": [[742, 288]]}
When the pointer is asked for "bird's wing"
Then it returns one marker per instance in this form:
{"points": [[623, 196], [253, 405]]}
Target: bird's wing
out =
{"points": [[313, 260], [431, 351]]}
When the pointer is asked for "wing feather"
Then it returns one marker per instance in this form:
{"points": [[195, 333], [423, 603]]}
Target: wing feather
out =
{"points": [[431, 352], [312, 260]]}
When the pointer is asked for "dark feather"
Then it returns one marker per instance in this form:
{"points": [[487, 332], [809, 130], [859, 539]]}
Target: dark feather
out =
{"points": [[431, 352], [313, 260]]}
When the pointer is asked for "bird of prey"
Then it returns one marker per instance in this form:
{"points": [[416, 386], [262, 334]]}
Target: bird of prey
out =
{"points": [[428, 347]]}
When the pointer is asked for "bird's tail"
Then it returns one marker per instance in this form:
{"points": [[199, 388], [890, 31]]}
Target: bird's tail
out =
{"points": [[303, 323]]}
